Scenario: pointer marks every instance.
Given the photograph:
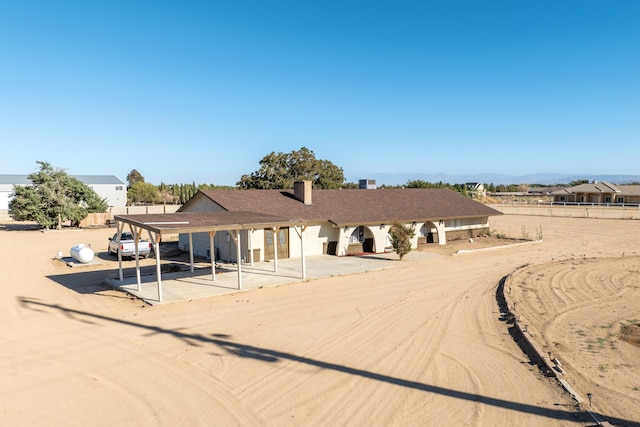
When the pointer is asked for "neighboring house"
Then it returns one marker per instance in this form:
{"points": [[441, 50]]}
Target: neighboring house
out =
{"points": [[367, 184], [341, 222], [598, 193], [543, 191], [475, 189], [108, 187]]}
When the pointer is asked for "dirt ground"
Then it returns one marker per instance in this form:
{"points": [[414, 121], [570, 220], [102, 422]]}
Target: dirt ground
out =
{"points": [[586, 312], [418, 344]]}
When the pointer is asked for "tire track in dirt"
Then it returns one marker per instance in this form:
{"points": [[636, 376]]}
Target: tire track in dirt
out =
{"points": [[377, 322], [586, 301]]}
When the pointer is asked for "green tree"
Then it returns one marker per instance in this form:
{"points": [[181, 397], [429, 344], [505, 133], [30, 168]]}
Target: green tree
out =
{"points": [[53, 198], [419, 183], [134, 176], [578, 182], [328, 175], [143, 192], [281, 170], [401, 236], [350, 185]]}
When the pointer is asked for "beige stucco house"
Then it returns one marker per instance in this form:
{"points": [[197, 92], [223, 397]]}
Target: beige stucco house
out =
{"points": [[340, 222], [598, 193]]}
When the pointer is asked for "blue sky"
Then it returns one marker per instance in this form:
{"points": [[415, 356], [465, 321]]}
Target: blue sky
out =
{"points": [[200, 91]]}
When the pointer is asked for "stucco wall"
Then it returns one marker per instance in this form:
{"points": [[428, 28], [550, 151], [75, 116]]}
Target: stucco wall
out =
{"points": [[465, 228], [315, 237], [4, 199], [116, 194]]}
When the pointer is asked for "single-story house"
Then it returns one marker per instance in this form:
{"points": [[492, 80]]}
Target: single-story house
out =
{"points": [[108, 187], [340, 222], [598, 193]]}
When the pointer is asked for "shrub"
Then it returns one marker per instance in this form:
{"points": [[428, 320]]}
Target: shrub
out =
{"points": [[401, 236]]}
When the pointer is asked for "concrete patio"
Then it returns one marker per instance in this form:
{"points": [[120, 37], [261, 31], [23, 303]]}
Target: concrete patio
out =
{"points": [[185, 285]]}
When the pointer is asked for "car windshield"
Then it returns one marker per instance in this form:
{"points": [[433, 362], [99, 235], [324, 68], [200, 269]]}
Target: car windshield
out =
{"points": [[124, 236]]}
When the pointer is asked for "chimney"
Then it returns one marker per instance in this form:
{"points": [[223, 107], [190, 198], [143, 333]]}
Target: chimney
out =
{"points": [[302, 191]]}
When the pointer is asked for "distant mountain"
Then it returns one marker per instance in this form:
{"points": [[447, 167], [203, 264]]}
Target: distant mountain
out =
{"points": [[495, 178]]}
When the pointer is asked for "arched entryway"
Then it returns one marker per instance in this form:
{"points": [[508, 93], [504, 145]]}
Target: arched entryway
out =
{"points": [[361, 240], [432, 232]]}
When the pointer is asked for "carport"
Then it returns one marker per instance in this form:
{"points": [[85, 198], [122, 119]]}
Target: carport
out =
{"points": [[202, 222]]}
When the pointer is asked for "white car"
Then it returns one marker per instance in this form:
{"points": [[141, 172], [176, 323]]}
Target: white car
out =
{"points": [[127, 246]]}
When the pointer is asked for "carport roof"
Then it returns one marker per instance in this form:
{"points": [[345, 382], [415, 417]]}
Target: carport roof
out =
{"points": [[195, 222]]}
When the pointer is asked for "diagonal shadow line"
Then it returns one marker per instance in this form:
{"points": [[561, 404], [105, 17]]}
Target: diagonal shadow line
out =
{"points": [[272, 356]]}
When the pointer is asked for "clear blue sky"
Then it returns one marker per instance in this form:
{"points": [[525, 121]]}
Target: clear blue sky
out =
{"points": [[200, 91]]}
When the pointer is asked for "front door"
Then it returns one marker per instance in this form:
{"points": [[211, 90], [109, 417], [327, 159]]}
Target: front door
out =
{"points": [[283, 243]]}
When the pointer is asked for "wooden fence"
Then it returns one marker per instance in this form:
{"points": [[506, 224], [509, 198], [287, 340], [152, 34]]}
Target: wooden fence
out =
{"points": [[105, 219]]}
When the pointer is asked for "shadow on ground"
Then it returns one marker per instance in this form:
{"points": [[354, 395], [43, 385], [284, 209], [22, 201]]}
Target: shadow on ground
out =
{"points": [[226, 343]]}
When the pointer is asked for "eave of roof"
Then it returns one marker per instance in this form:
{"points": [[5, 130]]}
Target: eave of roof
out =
{"points": [[195, 222]]}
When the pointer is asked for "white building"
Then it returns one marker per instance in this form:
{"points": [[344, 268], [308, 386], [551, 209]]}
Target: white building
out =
{"points": [[108, 187]]}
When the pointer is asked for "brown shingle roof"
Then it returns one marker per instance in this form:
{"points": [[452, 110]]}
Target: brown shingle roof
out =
{"points": [[601, 187], [353, 206]]}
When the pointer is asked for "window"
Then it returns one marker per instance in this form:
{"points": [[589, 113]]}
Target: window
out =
{"points": [[118, 187], [561, 198], [607, 199], [620, 200]]}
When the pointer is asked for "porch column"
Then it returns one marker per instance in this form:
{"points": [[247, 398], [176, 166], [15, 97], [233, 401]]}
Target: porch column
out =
{"points": [[236, 237], [136, 238], [442, 234], [155, 240], [275, 248], [250, 239], [212, 255], [119, 226], [304, 267], [191, 250], [343, 241]]}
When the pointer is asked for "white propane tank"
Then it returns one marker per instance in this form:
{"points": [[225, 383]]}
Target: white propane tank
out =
{"points": [[81, 253]]}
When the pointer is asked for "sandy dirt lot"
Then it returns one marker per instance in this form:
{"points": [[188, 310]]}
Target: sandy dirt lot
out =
{"points": [[586, 312], [418, 344]]}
